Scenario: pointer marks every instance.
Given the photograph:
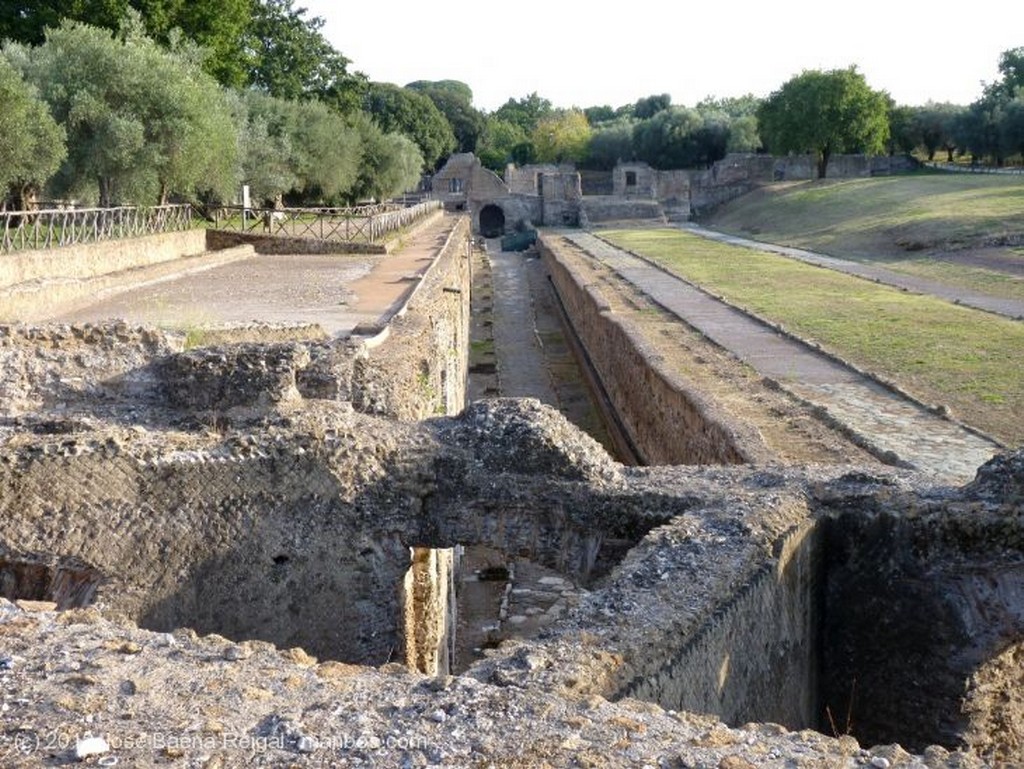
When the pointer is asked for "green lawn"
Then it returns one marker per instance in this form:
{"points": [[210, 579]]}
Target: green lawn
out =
{"points": [[970, 361], [904, 221]]}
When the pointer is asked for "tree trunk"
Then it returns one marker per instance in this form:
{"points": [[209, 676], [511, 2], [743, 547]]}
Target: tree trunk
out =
{"points": [[949, 153], [823, 157], [105, 185]]}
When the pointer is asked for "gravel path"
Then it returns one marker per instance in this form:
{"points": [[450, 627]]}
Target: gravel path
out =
{"points": [[1012, 308], [894, 427]]}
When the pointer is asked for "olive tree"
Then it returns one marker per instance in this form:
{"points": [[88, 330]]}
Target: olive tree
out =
{"points": [[143, 122], [31, 143]]}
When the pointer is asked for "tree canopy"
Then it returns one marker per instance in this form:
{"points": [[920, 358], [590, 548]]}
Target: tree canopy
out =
{"points": [[31, 143], [141, 120], [408, 112], [454, 100], [561, 137], [825, 113]]}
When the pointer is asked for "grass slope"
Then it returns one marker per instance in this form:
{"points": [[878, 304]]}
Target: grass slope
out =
{"points": [[968, 360], [915, 224]]}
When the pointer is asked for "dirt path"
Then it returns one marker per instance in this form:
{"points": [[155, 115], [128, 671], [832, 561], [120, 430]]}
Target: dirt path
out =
{"points": [[893, 426], [1011, 308]]}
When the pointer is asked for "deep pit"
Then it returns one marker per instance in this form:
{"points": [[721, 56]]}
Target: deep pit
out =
{"points": [[890, 628]]}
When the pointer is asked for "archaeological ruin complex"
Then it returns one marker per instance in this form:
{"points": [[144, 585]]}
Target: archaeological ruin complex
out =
{"points": [[243, 543]]}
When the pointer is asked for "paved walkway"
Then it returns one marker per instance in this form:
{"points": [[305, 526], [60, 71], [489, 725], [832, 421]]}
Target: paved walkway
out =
{"points": [[1012, 308], [522, 372], [893, 426]]}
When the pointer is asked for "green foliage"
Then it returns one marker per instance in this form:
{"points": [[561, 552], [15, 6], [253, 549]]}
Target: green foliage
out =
{"points": [[561, 137], [302, 150], [825, 113], [31, 143], [214, 25], [649, 106], [290, 57], [934, 127], [454, 88], [524, 112], [454, 99], [598, 115], [142, 122], [680, 137], [497, 141], [391, 163], [903, 134], [610, 143], [990, 127], [408, 112]]}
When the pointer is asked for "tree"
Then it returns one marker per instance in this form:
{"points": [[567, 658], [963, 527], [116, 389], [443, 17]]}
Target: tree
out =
{"points": [[525, 112], [454, 100], [404, 111], [664, 141], [825, 113], [561, 137], [598, 115], [649, 106], [289, 57], [903, 133], [499, 138], [215, 25], [142, 122], [610, 143], [31, 143], [1011, 127], [302, 150], [934, 125], [391, 163]]}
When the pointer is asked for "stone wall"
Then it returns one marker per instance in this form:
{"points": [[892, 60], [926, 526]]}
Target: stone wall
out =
{"points": [[757, 656], [95, 259], [667, 421], [34, 283]]}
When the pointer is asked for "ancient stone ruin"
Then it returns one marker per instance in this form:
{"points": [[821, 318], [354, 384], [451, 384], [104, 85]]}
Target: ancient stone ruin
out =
{"points": [[242, 554]]}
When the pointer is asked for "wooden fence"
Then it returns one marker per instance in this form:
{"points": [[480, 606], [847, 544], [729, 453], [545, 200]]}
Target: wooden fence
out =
{"points": [[359, 224], [55, 227]]}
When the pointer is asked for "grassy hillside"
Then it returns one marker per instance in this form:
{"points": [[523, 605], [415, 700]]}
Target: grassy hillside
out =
{"points": [[965, 359], [947, 227]]}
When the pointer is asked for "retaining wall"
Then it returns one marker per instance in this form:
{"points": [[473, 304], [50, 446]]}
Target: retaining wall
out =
{"points": [[666, 419]]}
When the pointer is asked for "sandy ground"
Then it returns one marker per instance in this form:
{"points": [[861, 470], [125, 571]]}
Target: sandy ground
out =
{"points": [[337, 292]]}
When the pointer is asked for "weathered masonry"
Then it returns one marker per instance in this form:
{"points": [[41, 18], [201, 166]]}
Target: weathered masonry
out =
{"points": [[306, 493]]}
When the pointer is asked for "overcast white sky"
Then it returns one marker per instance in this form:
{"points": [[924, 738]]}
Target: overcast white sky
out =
{"points": [[578, 54]]}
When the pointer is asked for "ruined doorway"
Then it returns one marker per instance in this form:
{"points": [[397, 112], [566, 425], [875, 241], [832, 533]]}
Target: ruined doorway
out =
{"points": [[492, 221]]}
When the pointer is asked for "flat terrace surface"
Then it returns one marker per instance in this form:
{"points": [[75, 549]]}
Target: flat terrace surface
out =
{"points": [[336, 292]]}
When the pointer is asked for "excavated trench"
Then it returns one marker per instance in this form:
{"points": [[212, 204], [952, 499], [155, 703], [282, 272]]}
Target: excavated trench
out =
{"points": [[891, 629]]}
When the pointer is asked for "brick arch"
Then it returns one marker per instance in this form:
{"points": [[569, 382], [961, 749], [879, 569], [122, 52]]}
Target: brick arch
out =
{"points": [[492, 221]]}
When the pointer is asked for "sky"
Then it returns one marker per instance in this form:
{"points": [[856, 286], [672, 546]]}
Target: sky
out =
{"points": [[588, 53]]}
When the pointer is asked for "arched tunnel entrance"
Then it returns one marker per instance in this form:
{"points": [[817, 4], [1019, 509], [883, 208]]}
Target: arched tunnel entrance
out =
{"points": [[492, 221]]}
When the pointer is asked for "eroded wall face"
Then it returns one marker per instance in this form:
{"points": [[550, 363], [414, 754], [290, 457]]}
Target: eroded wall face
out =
{"points": [[665, 423], [757, 658]]}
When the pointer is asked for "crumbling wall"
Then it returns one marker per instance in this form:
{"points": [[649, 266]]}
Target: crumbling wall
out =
{"points": [[418, 366], [666, 420], [756, 657]]}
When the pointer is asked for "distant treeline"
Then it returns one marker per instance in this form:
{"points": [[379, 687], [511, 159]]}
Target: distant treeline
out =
{"points": [[135, 101]]}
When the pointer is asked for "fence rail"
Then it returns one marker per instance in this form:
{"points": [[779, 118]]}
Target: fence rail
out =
{"points": [[359, 224], [55, 228]]}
